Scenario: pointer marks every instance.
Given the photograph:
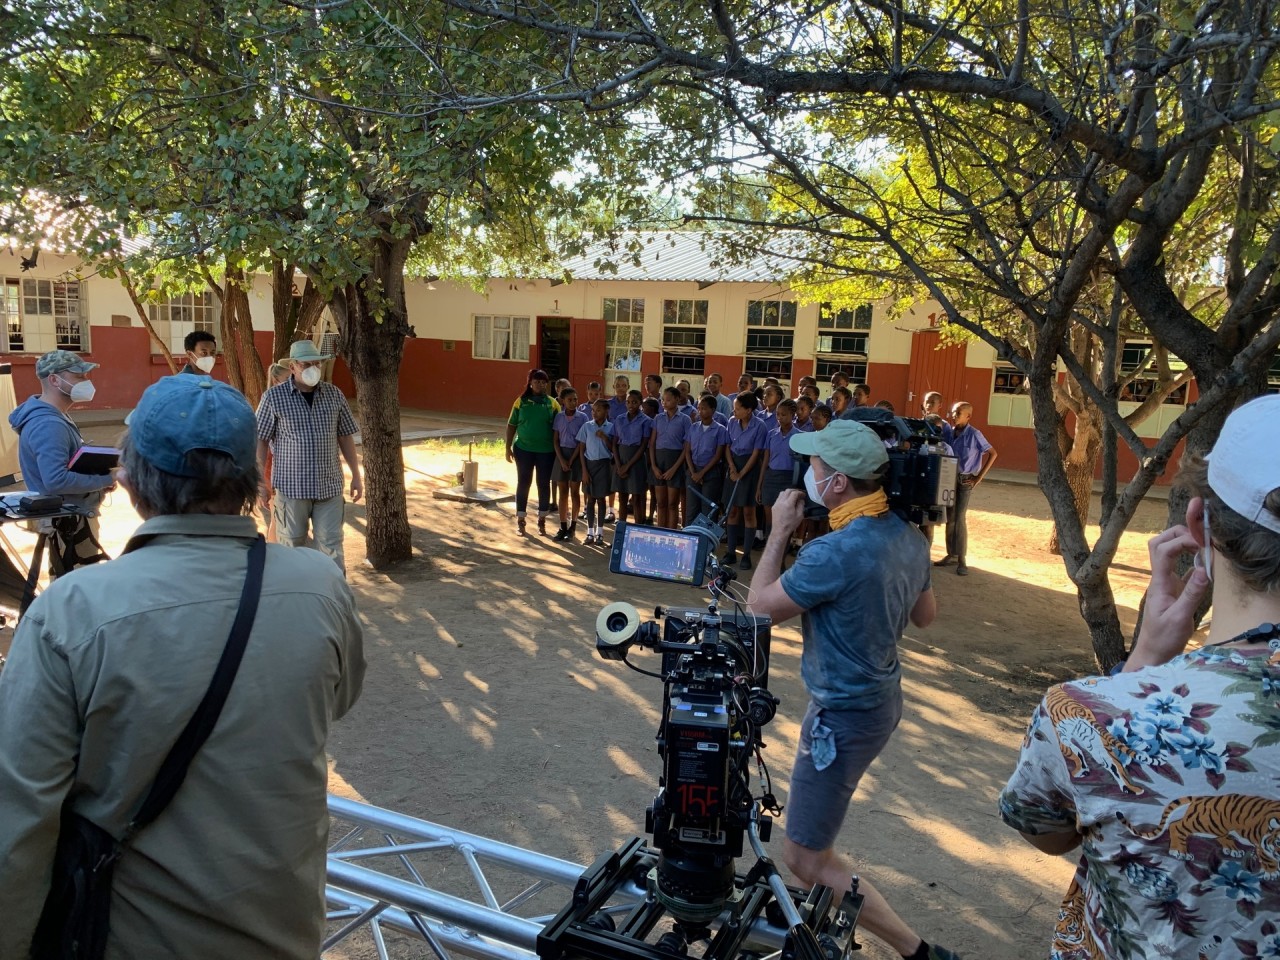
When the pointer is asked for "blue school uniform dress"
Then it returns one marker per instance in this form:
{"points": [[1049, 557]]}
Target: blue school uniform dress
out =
{"points": [[598, 457], [704, 445], [779, 462], [671, 434], [566, 429], [632, 434], [744, 441]]}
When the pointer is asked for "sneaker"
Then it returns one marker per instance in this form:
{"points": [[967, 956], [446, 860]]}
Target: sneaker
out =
{"points": [[610, 518], [561, 535], [746, 562], [962, 569], [583, 514], [947, 561]]}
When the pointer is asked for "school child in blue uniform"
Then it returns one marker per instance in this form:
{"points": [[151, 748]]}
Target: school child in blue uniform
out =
{"points": [[595, 450], [630, 442], [650, 407], [707, 441], [804, 414], [668, 451], [567, 472], [743, 460], [779, 461], [768, 410]]}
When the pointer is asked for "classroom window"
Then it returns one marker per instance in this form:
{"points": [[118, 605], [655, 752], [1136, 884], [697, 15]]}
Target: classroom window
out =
{"points": [[11, 314], [183, 314], [624, 332], [1008, 379], [826, 368], [770, 339], [684, 336], [47, 313], [859, 319], [1273, 375], [1135, 355], [500, 338]]}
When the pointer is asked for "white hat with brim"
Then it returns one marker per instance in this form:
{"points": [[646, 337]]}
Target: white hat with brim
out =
{"points": [[304, 351]]}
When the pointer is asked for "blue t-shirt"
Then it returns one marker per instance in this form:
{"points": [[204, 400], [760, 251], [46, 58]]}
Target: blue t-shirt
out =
{"points": [[705, 443], [969, 445], [857, 586], [567, 426], [672, 431], [593, 447]]}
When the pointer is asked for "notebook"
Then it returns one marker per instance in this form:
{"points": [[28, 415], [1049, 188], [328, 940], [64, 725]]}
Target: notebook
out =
{"points": [[94, 460]]}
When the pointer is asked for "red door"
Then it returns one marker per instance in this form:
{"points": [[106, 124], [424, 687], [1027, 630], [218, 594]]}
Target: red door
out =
{"points": [[934, 369], [586, 353]]}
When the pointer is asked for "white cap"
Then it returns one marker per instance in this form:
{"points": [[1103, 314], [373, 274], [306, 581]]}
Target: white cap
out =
{"points": [[1244, 466]]}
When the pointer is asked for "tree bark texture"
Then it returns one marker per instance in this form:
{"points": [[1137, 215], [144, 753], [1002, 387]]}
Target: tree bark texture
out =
{"points": [[1098, 608], [244, 366], [1079, 463], [294, 315], [373, 324]]}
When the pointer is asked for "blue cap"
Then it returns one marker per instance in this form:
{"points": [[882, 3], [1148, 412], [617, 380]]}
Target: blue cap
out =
{"points": [[182, 413]]}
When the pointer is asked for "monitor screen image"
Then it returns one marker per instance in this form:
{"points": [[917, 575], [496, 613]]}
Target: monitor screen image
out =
{"points": [[659, 554]]}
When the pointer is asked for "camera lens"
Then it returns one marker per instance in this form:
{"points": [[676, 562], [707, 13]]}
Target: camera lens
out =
{"points": [[617, 622]]}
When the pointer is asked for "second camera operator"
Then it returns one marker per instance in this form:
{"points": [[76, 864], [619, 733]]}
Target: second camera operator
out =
{"points": [[855, 589]]}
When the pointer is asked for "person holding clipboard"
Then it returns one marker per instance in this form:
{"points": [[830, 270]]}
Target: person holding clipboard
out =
{"points": [[48, 442]]}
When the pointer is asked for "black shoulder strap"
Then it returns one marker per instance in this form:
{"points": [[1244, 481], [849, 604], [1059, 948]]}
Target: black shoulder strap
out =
{"points": [[174, 769]]}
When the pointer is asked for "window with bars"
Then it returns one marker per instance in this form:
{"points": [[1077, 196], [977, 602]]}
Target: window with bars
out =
{"points": [[51, 306], [770, 339], [1008, 379], [684, 336], [826, 368], [1135, 355], [1273, 375], [183, 314], [500, 338], [11, 314], [859, 319], [624, 332], [842, 343]]}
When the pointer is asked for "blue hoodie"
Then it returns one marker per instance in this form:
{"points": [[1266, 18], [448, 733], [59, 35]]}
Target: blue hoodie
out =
{"points": [[47, 439]]}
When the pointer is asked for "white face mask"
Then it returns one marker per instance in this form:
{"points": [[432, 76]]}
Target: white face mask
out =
{"points": [[811, 486], [81, 392], [205, 364], [311, 376]]}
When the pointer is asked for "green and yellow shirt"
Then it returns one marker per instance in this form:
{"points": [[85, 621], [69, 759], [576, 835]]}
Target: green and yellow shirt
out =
{"points": [[532, 417]]}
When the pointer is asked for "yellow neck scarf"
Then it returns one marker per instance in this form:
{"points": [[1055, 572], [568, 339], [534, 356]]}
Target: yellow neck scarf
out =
{"points": [[872, 505]]}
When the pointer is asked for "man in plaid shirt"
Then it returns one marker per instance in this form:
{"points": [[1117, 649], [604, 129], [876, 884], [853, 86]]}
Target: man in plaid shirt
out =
{"points": [[303, 423]]}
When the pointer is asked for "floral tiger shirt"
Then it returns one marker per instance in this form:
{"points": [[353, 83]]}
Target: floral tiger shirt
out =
{"points": [[1171, 774]]}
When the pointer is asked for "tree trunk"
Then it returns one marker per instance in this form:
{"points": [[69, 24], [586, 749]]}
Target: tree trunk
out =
{"points": [[244, 366], [373, 323], [294, 315], [1079, 463], [156, 339], [1098, 608]]}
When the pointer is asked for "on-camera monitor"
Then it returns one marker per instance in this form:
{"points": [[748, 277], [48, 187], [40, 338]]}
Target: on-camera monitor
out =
{"points": [[659, 554]]}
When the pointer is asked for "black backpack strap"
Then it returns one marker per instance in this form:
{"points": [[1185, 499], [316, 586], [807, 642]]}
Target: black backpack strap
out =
{"points": [[174, 769]]}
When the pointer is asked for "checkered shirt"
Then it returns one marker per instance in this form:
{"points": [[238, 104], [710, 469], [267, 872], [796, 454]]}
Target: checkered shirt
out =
{"points": [[304, 439]]}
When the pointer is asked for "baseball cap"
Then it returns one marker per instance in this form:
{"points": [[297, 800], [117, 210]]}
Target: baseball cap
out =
{"points": [[846, 446], [62, 361], [182, 413], [1244, 465]]}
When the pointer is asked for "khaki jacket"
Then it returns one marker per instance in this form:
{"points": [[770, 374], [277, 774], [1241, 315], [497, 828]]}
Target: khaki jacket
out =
{"points": [[107, 666]]}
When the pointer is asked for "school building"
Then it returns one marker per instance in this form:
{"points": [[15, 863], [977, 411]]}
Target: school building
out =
{"points": [[679, 311]]}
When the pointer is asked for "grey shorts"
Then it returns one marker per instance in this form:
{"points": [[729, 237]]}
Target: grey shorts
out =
{"points": [[819, 799]]}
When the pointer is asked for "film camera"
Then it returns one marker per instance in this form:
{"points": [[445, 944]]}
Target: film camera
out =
{"points": [[921, 478], [714, 670]]}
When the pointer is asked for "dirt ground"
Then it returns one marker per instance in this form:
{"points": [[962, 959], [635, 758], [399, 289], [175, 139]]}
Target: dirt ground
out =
{"points": [[485, 707]]}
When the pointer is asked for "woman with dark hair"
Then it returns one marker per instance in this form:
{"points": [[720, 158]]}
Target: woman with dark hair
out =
{"points": [[1164, 773], [531, 444]]}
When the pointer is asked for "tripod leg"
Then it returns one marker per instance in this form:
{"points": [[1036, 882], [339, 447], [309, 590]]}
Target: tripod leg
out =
{"points": [[33, 575]]}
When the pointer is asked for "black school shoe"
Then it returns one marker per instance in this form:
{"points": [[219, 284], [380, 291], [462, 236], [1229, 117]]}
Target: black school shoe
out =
{"points": [[563, 534]]}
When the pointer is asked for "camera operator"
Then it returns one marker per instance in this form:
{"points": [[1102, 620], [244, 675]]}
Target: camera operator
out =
{"points": [[855, 589]]}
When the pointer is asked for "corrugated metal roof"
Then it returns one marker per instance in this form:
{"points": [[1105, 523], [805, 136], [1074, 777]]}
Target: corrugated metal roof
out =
{"points": [[696, 256]]}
